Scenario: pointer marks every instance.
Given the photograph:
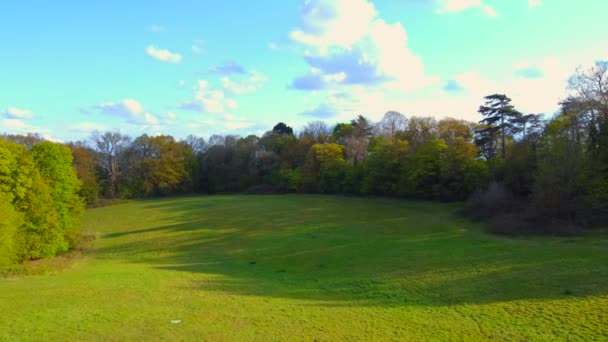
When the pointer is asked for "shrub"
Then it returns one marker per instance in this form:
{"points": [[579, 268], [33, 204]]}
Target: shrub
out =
{"points": [[495, 200]]}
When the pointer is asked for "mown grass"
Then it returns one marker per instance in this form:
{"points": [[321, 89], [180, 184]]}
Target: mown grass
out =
{"points": [[277, 268]]}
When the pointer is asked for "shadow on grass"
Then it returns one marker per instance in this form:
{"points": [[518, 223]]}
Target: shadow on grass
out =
{"points": [[355, 252]]}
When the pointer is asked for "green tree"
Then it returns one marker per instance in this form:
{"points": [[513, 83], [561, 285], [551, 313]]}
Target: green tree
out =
{"points": [[160, 164], [325, 167], [423, 175], [40, 234], [10, 221], [420, 130], [385, 166], [341, 133], [500, 118], [461, 172], [55, 164], [86, 167], [451, 129], [282, 129]]}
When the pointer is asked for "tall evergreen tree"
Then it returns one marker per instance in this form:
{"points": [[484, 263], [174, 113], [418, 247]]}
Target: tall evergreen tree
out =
{"points": [[501, 118]]}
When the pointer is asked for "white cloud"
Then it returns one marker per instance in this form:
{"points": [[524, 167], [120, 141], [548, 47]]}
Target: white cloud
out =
{"points": [[535, 87], [535, 3], [150, 119], [129, 110], [454, 6], [249, 84], [346, 43], [16, 113], [459, 5], [530, 95], [14, 123], [335, 22], [124, 108], [18, 126], [378, 77], [208, 100], [163, 55], [133, 106], [171, 115]]}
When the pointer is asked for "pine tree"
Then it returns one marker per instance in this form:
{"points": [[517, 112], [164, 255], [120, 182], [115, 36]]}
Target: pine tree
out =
{"points": [[500, 118]]}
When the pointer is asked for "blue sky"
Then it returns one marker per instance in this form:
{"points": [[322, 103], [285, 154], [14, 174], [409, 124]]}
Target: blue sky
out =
{"points": [[238, 67]]}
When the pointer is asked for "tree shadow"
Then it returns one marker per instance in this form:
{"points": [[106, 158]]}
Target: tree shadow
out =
{"points": [[355, 252]]}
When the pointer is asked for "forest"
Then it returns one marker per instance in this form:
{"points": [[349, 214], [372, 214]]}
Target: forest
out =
{"points": [[518, 172]]}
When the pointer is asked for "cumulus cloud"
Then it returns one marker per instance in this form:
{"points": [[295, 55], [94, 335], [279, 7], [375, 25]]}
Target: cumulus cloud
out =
{"points": [[150, 119], [13, 123], [244, 85], [208, 100], [18, 126], [535, 87], [163, 55], [130, 110], [345, 42], [16, 113], [124, 108]]}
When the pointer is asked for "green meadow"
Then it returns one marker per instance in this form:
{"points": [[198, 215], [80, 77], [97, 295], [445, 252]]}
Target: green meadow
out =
{"points": [[300, 267]]}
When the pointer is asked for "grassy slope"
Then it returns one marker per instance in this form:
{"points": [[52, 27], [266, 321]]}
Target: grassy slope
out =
{"points": [[311, 267]]}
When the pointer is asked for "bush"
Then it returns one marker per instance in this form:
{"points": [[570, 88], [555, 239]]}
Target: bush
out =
{"points": [[491, 202]]}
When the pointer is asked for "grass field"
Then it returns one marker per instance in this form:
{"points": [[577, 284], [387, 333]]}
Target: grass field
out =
{"points": [[278, 268]]}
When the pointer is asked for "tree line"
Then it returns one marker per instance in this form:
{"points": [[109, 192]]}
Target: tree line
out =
{"points": [[518, 172]]}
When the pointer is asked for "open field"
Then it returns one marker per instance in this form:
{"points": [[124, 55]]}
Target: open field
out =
{"points": [[280, 268]]}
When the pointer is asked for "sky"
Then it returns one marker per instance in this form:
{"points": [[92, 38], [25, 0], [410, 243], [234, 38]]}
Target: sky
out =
{"points": [[185, 67]]}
